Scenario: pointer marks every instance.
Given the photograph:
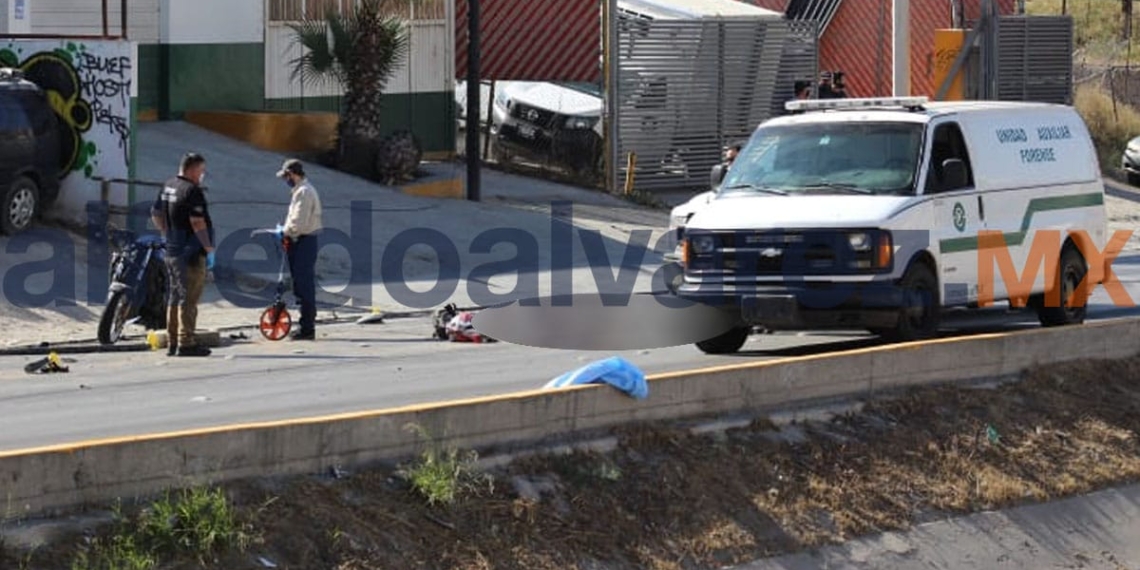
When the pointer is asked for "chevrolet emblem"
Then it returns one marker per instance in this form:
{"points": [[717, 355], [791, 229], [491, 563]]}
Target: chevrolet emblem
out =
{"points": [[771, 252]]}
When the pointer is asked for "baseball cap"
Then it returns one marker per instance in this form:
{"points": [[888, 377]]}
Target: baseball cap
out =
{"points": [[292, 165]]}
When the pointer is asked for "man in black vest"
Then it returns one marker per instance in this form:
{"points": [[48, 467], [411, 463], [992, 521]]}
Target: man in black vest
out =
{"points": [[181, 214]]}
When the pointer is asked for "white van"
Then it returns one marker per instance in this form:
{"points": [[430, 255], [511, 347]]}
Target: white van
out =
{"points": [[867, 213]]}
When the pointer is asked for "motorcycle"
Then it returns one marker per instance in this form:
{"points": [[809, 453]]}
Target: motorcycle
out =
{"points": [[137, 293]]}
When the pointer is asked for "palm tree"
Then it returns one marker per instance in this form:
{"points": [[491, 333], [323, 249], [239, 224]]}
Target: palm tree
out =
{"points": [[359, 50]]}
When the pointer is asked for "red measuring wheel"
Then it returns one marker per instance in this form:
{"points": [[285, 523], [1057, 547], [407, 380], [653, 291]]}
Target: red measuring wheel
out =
{"points": [[275, 322]]}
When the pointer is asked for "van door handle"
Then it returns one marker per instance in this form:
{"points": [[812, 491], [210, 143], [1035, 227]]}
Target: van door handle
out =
{"points": [[981, 209]]}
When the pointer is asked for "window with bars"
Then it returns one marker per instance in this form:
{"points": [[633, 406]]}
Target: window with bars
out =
{"points": [[295, 10]]}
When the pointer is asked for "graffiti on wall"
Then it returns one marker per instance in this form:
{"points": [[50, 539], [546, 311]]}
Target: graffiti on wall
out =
{"points": [[90, 86]]}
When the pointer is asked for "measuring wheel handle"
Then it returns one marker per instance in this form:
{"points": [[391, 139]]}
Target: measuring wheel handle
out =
{"points": [[275, 322]]}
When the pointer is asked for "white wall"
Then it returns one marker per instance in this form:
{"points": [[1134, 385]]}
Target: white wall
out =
{"points": [[427, 68], [212, 21], [85, 17]]}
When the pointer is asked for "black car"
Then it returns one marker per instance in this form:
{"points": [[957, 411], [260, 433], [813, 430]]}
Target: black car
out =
{"points": [[29, 152]]}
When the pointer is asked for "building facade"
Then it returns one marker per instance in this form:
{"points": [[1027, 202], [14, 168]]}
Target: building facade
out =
{"points": [[235, 55], [858, 41]]}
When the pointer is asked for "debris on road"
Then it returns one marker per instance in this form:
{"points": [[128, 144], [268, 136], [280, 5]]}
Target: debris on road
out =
{"points": [[449, 323], [49, 365], [376, 318]]}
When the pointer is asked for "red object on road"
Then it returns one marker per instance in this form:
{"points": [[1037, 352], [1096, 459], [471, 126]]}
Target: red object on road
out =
{"points": [[462, 329]]}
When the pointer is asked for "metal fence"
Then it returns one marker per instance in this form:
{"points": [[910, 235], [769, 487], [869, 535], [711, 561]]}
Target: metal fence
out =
{"points": [[685, 88], [1035, 59]]}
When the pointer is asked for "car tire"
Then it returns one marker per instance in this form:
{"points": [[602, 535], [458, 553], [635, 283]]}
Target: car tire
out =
{"points": [[1071, 270], [20, 205], [727, 342], [1133, 179], [921, 314]]}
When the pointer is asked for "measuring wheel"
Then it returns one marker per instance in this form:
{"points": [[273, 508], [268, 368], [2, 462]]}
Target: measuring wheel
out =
{"points": [[275, 322]]}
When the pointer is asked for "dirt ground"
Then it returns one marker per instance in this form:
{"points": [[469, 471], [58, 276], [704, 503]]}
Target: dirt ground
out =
{"points": [[667, 499]]}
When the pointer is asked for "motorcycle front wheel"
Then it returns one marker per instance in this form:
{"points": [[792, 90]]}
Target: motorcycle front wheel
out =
{"points": [[114, 318]]}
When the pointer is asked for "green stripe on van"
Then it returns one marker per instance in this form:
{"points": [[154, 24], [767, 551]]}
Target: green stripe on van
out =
{"points": [[957, 245]]}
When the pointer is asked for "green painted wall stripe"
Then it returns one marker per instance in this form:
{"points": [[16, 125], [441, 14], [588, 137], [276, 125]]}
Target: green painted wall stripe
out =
{"points": [[210, 77], [150, 70], [958, 245]]}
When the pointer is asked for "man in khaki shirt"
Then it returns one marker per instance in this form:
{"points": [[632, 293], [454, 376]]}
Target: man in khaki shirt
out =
{"points": [[299, 235]]}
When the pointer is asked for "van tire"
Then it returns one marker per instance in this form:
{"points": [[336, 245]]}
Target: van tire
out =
{"points": [[1071, 270], [727, 342], [920, 289], [20, 205]]}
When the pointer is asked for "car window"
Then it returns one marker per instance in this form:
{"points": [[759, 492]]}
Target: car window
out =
{"points": [[12, 116], [947, 143], [837, 157], [38, 111]]}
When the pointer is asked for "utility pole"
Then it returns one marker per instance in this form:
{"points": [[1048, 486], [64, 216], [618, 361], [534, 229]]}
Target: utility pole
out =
{"points": [[900, 47], [473, 106]]}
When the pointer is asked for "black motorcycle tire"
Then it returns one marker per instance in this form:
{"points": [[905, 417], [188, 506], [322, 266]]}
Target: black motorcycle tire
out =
{"points": [[107, 334]]}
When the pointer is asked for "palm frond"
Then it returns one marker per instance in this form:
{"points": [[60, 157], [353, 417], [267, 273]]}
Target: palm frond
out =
{"points": [[343, 30], [317, 62], [394, 45]]}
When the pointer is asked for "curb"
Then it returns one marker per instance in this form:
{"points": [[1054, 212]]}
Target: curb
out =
{"points": [[74, 349]]}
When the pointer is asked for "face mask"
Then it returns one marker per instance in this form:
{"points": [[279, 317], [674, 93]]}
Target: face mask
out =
{"points": [[202, 179], [289, 182]]}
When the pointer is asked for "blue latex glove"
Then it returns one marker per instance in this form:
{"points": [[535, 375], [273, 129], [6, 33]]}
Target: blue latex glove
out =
{"points": [[279, 231], [210, 261]]}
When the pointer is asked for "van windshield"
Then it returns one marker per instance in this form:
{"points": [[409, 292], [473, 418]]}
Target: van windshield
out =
{"points": [[831, 158]]}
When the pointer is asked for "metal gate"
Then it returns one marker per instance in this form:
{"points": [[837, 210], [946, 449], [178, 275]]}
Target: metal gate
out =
{"points": [[685, 88], [1035, 59]]}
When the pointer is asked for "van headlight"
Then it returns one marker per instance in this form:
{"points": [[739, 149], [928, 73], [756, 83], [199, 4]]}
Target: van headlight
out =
{"points": [[581, 122], [702, 245], [502, 100], [860, 241], [874, 250]]}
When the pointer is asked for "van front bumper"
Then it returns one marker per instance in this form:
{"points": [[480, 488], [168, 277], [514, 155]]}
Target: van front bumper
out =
{"points": [[805, 306]]}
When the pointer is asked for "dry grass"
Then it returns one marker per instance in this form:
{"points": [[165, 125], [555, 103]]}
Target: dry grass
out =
{"points": [[1098, 27], [667, 499], [1111, 125]]}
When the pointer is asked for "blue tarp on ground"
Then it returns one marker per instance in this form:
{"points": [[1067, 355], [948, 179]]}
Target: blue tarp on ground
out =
{"points": [[615, 371]]}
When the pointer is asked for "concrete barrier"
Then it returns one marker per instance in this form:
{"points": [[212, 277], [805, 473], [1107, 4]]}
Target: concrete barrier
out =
{"points": [[46, 480]]}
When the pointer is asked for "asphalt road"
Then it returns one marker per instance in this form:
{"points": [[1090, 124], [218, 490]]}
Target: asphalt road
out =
{"points": [[362, 367], [355, 367]]}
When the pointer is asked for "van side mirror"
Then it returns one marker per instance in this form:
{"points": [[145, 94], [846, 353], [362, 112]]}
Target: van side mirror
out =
{"points": [[716, 176], [954, 174]]}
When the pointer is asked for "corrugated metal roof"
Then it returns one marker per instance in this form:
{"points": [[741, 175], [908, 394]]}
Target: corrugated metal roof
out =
{"points": [[696, 8]]}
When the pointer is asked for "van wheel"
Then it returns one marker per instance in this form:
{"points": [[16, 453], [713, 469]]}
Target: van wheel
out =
{"points": [[19, 206], [673, 276], [1070, 272], [726, 343], [922, 311]]}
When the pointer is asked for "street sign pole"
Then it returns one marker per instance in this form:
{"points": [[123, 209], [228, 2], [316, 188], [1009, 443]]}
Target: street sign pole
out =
{"points": [[473, 105]]}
